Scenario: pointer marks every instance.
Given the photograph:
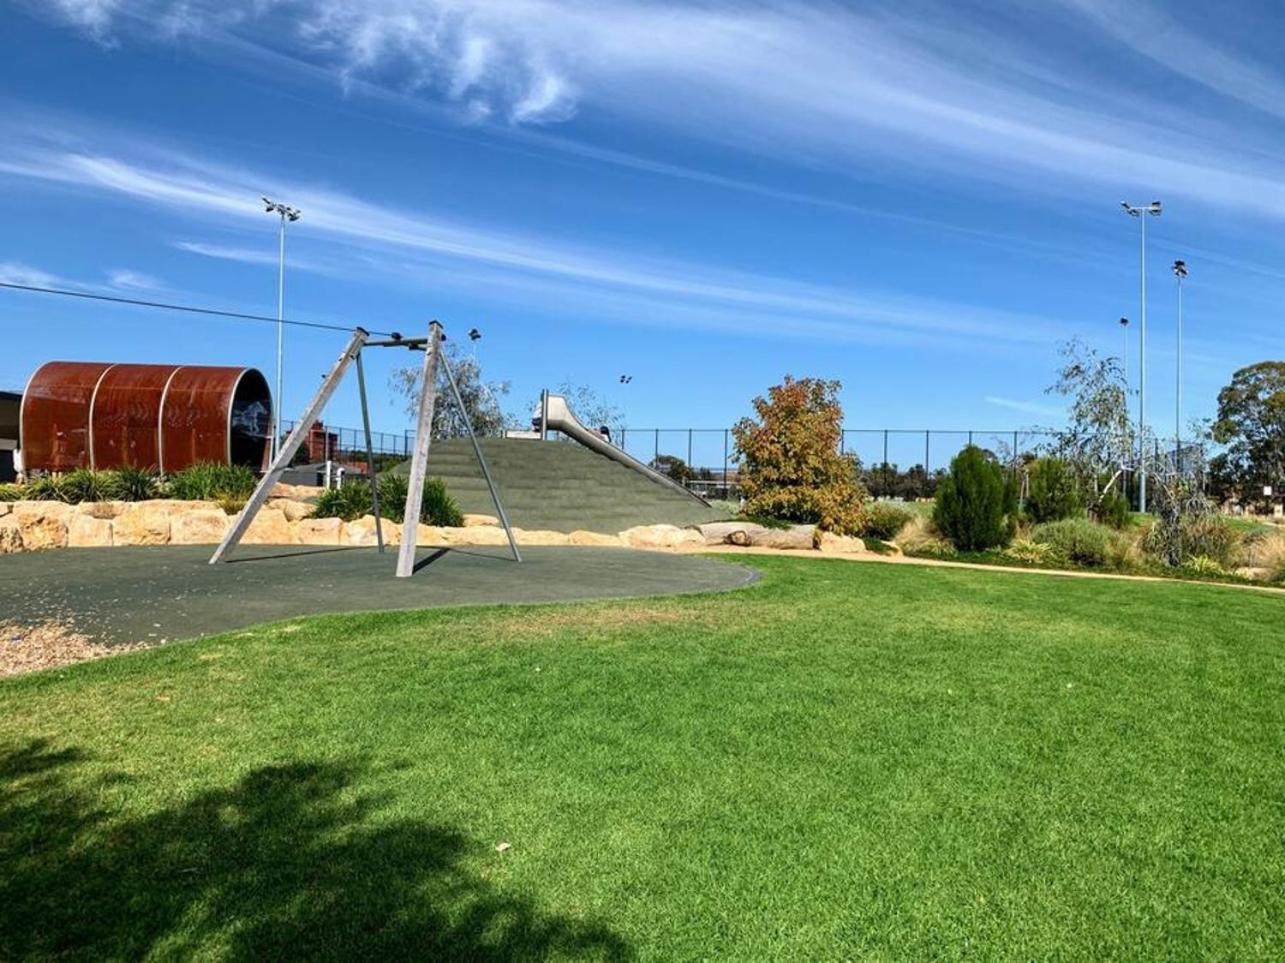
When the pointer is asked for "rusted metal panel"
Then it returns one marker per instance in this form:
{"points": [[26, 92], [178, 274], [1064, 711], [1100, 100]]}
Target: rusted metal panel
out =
{"points": [[196, 422], [157, 416], [126, 415], [55, 414]]}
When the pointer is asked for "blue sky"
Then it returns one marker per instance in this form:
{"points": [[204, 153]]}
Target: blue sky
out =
{"points": [[919, 199]]}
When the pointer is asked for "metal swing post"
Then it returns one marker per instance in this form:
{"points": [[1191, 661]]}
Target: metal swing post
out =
{"points": [[371, 468], [481, 460], [291, 445]]}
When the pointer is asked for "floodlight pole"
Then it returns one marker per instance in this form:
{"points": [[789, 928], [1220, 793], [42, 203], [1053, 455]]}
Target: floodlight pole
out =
{"points": [[292, 444], [1179, 272], [1142, 212], [371, 470], [419, 460], [286, 213]]}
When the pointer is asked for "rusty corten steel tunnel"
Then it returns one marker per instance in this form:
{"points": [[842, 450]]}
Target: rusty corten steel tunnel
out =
{"points": [[163, 417]]}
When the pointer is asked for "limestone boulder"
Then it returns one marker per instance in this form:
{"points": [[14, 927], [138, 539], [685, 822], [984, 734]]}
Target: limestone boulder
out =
{"points": [[86, 531], [295, 492], [729, 533], [268, 528], [362, 532], [482, 535], [583, 537], [43, 524], [199, 526], [794, 538], [831, 544], [293, 509], [142, 523], [661, 536], [10, 535], [475, 521], [317, 531], [533, 537], [101, 510]]}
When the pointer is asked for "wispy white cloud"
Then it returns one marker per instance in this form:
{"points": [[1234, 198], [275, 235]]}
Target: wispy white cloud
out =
{"points": [[127, 280], [224, 196], [15, 272], [917, 86], [1026, 407]]}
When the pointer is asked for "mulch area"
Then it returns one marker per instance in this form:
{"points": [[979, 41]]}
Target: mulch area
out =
{"points": [[26, 648]]}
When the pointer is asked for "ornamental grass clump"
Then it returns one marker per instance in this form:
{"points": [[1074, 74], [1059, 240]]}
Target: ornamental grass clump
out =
{"points": [[884, 520], [976, 505], [791, 466], [352, 500], [211, 481], [1076, 541]]}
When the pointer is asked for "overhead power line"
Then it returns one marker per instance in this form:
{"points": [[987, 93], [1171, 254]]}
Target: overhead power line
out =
{"points": [[189, 308]]}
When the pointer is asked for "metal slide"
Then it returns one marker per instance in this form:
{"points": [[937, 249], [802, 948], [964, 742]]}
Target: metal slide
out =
{"points": [[558, 416]]}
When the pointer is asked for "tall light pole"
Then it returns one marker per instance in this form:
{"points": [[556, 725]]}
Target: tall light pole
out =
{"points": [[286, 213], [1179, 272], [1142, 213], [1124, 447]]}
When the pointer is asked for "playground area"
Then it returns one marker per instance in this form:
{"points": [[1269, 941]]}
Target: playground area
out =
{"points": [[152, 595]]}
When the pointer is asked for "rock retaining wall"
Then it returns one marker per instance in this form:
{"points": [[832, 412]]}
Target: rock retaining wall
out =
{"points": [[33, 526]]}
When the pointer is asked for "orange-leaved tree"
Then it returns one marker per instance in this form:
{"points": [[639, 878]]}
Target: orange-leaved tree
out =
{"points": [[791, 467]]}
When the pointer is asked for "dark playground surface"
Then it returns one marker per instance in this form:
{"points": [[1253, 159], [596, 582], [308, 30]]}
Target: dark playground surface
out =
{"points": [[132, 594]]}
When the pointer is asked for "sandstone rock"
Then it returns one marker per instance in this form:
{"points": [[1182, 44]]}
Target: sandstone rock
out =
{"points": [[796, 537], [87, 531], [297, 492], [486, 536], [729, 533], [582, 537], [474, 521], [362, 532], [434, 535], [10, 535], [142, 523], [832, 544], [661, 536], [43, 524], [58, 510], [5, 509], [524, 537], [100, 509], [317, 531], [268, 528], [200, 526], [293, 510]]}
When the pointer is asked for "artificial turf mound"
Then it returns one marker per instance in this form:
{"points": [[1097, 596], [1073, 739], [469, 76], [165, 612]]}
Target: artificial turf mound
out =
{"points": [[843, 761]]}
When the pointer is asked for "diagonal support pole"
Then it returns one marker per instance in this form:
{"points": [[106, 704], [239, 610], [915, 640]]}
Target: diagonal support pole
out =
{"points": [[291, 445], [419, 460], [477, 450], [371, 468]]}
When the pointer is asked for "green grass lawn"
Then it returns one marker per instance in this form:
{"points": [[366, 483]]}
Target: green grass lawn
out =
{"points": [[845, 761]]}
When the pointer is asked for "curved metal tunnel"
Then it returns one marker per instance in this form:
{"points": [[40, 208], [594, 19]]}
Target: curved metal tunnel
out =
{"points": [[94, 414]]}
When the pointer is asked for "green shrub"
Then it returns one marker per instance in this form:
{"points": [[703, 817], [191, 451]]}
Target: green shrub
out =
{"points": [[349, 501], [885, 519], [1076, 541], [1112, 509], [439, 507], [353, 500], [1204, 566], [1054, 493], [975, 505], [11, 493], [1211, 537], [210, 481], [46, 489], [1028, 552], [132, 484]]}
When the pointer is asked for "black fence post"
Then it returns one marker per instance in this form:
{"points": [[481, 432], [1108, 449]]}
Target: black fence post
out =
{"points": [[924, 491], [887, 483], [689, 448], [726, 489]]}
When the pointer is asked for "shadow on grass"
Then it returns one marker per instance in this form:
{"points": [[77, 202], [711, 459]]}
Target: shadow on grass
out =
{"points": [[282, 864]]}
